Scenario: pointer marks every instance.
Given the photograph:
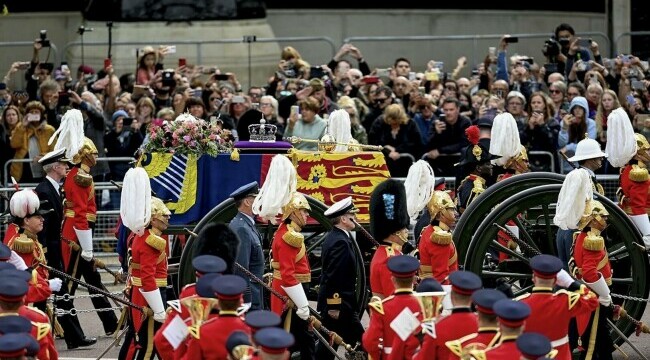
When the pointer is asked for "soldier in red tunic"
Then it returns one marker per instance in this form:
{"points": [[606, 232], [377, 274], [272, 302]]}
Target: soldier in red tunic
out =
{"points": [[461, 322], [203, 264], [389, 221], [512, 316], [291, 270], [208, 340], [80, 212], [147, 217], [535, 346], [380, 339], [273, 344], [488, 330], [12, 293], [561, 305]]}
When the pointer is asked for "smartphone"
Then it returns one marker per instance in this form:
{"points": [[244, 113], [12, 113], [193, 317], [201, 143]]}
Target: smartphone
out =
{"points": [[182, 62], [491, 113], [295, 109], [383, 72], [220, 76], [584, 43], [127, 121], [431, 76], [238, 99], [197, 93], [64, 99], [492, 51], [638, 85], [24, 65], [316, 72], [411, 75], [421, 90], [64, 66], [370, 80], [511, 39], [626, 59], [139, 90], [630, 99], [107, 63], [171, 49]]}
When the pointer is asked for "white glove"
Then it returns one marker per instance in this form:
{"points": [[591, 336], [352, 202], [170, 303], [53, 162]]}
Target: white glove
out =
{"points": [[564, 279], [243, 308], [85, 238], [155, 303], [297, 295], [55, 284], [605, 300], [646, 242], [446, 300], [600, 287], [643, 224], [513, 229], [17, 261]]}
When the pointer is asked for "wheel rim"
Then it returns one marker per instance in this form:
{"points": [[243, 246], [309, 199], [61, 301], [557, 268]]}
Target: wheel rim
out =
{"points": [[314, 236], [631, 265], [491, 197]]}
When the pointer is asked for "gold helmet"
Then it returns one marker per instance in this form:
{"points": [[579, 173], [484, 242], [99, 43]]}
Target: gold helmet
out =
{"points": [[158, 208], [440, 201], [298, 201], [594, 211], [519, 163], [87, 148]]}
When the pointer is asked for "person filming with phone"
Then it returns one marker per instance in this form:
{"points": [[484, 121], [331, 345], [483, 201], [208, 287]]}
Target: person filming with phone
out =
{"points": [[448, 137], [575, 125]]}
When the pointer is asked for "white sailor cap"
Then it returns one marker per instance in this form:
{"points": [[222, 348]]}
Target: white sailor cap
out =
{"points": [[53, 156], [341, 207]]}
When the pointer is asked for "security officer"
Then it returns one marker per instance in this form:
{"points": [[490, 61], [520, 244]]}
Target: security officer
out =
{"points": [[148, 263], [461, 322], [380, 338], [80, 212], [562, 304], [208, 341], [337, 302], [512, 315], [272, 343], [249, 254], [534, 346], [203, 264], [389, 221], [488, 330], [477, 161]]}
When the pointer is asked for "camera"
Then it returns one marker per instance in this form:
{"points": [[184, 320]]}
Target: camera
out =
{"points": [[551, 48], [127, 121], [316, 72], [290, 70], [43, 39], [168, 78]]}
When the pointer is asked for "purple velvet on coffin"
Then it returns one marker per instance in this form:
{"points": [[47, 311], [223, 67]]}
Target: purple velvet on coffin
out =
{"points": [[262, 145]]}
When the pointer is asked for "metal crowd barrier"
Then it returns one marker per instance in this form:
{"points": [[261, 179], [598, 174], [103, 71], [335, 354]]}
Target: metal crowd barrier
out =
{"points": [[625, 34], [533, 153]]}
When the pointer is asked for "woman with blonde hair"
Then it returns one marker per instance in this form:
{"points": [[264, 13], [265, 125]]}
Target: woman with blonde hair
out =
{"points": [[358, 131], [144, 113], [399, 136], [292, 65]]}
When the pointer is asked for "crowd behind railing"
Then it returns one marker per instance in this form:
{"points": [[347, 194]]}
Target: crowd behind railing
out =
{"points": [[413, 111]]}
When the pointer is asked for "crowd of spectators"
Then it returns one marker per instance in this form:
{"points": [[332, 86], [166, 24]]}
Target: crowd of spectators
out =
{"points": [[414, 112]]}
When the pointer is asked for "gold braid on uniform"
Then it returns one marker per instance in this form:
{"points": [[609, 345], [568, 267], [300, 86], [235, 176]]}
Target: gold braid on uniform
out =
{"points": [[477, 189], [441, 235], [292, 237], [23, 244], [593, 241], [639, 173], [83, 178]]}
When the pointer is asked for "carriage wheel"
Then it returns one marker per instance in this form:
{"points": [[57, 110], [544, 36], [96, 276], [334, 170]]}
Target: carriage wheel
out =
{"points": [[495, 194], [314, 234], [536, 208]]}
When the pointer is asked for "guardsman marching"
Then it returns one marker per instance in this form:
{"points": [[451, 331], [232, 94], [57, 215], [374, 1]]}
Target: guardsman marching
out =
{"points": [[380, 338], [208, 340], [477, 160], [631, 152], [203, 264], [461, 322], [80, 211], [13, 289], [512, 316], [488, 330], [291, 270], [561, 305], [337, 301], [273, 344], [389, 221], [25, 208], [147, 217], [534, 346]]}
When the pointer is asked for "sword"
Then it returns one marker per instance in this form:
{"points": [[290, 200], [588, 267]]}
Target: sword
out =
{"points": [[325, 343], [112, 344], [620, 333], [100, 264], [366, 233], [145, 310]]}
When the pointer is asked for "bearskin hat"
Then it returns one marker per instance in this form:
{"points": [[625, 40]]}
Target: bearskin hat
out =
{"points": [[388, 212], [217, 239]]}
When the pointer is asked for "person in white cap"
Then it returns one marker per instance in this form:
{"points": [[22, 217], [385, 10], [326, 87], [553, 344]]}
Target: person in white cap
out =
{"points": [[630, 152], [337, 302], [590, 158]]}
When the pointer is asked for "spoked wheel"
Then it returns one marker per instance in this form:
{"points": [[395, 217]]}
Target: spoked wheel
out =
{"points": [[493, 196], [314, 232], [533, 211]]}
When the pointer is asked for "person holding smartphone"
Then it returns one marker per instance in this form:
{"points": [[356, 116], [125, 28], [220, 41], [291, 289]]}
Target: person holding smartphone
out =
{"points": [[149, 62], [32, 127], [540, 132], [575, 125]]}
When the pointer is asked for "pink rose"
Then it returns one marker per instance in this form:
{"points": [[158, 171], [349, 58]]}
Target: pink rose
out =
{"points": [[187, 138]]}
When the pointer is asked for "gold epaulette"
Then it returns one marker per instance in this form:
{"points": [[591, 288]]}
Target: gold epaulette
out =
{"points": [[440, 236], [293, 238], [82, 179], [156, 242], [639, 174], [572, 296], [42, 329], [593, 243], [456, 346], [479, 185], [23, 244], [195, 331], [377, 304]]}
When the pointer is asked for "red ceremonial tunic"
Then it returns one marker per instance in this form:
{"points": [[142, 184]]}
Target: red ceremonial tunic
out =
{"points": [[438, 257], [79, 208], [164, 348], [42, 332], [380, 276], [380, 339], [506, 349], [31, 252], [502, 237], [635, 189], [591, 258], [560, 306], [12, 230], [485, 338], [290, 264], [209, 342], [461, 322], [148, 269]]}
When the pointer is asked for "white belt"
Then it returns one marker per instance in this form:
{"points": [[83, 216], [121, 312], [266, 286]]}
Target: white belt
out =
{"points": [[388, 349], [560, 342]]}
